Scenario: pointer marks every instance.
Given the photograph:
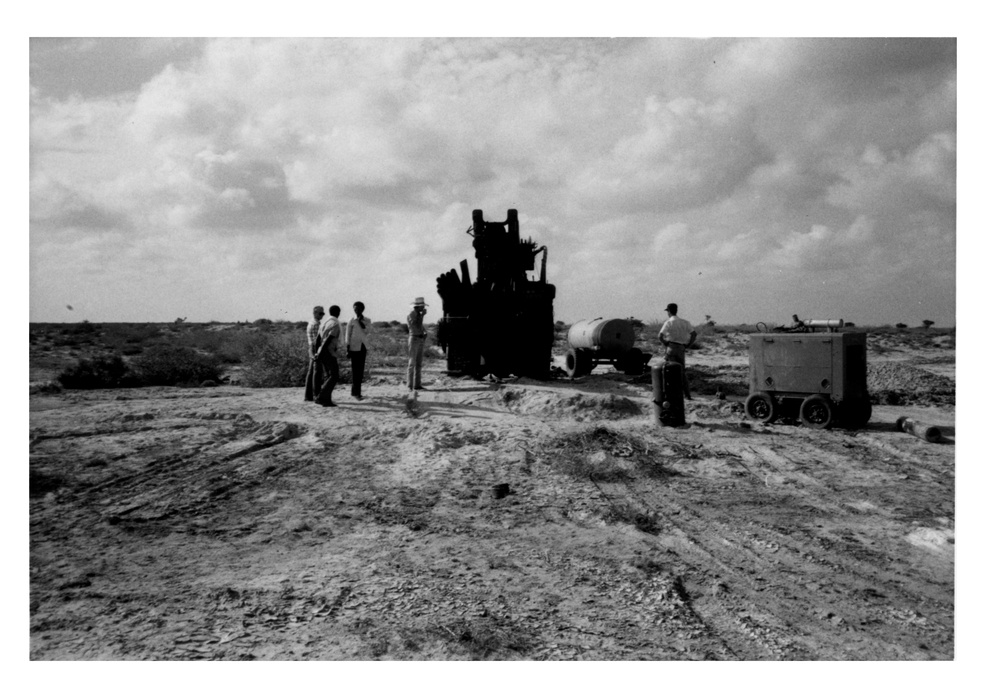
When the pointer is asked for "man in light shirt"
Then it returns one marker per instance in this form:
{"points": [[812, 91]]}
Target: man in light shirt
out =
{"points": [[415, 343], [677, 335], [326, 355], [358, 329]]}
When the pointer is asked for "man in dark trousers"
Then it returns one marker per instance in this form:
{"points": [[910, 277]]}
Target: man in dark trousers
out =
{"points": [[358, 329], [326, 355], [677, 335]]}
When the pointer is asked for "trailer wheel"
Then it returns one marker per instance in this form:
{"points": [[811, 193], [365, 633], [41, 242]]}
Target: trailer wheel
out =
{"points": [[634, 361], [760, 406], [816, 412], [631, 362], [578, 362]]}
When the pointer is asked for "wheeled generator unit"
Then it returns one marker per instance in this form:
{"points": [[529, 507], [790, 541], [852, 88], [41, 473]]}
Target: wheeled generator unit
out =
{"points": [[501, 324], [819, 377]]}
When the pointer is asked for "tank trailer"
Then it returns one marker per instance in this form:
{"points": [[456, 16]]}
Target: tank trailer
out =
{"points": [[501, 324], [603, 341], [814, 372]]}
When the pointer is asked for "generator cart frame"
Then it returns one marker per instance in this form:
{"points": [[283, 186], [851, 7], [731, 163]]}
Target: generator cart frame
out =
{"points": [[821, 378]]}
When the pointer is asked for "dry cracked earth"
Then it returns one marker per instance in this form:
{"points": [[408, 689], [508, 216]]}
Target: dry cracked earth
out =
{"points": [[241, 524]]}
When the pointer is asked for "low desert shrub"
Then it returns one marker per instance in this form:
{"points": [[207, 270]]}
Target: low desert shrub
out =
{"points": [[226, 345], [66, 341], [390, 348], [118, 335], [45, 388], [166, 365], [41, 482], [275, 361], [107, 371], [82, 328]]}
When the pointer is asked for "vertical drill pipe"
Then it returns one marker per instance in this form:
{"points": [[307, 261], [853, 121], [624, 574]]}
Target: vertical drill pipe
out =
{"points": [[668, 394], [673, 394]]}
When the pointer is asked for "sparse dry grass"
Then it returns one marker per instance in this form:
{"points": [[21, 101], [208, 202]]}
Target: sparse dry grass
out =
{"points": [[486, 637], [604, 455], [642, 520]]}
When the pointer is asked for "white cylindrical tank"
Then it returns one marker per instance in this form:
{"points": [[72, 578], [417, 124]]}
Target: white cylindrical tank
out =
{"points": [[825, 323], [606, 336]]}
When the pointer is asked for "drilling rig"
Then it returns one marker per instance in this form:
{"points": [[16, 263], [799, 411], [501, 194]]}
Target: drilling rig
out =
{"points": [[501, 324]]}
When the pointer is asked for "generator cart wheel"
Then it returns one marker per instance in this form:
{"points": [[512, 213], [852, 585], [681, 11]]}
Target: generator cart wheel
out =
{"points": [[578, 362], [816, 412], [760, 406]]}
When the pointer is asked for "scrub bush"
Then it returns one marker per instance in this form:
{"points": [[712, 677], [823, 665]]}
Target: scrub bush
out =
{"points": [[275, 361], [166, 365], [106, 371]]}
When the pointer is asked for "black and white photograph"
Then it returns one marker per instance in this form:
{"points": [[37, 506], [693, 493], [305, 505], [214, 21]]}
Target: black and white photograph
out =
{"points": [[525, 348]]}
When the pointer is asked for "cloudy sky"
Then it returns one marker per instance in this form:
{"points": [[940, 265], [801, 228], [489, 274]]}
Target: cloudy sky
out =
{"points": [[746, 179]]}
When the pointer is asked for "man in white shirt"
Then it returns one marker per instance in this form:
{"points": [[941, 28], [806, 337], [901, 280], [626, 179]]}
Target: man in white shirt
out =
{"points": [[358, 329], [326, 355], [677, 335]]}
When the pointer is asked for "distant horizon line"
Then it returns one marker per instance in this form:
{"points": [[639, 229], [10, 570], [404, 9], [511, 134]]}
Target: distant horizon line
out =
{"points": [[259, 321]]}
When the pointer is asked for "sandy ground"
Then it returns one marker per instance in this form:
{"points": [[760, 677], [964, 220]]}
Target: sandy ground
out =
{"points": [[235, 523]]}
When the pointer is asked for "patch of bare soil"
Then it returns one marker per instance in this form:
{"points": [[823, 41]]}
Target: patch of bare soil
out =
{"points": [[229, 523]]}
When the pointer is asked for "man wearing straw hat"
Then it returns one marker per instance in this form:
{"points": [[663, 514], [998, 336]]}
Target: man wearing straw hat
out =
{"points": [[415, 344]]}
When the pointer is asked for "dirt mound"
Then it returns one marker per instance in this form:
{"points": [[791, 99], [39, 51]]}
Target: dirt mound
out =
{"points": [[729, 379], [902, 383], [578, 405]]}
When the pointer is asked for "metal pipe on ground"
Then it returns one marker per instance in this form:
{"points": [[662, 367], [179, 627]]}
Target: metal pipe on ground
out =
{"points": [[930, 433]]}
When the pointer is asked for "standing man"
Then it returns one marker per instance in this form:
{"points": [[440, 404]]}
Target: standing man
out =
{"points": [[326, 355], [677, 335], [314, 377], [357, 334], [415, 343]]}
